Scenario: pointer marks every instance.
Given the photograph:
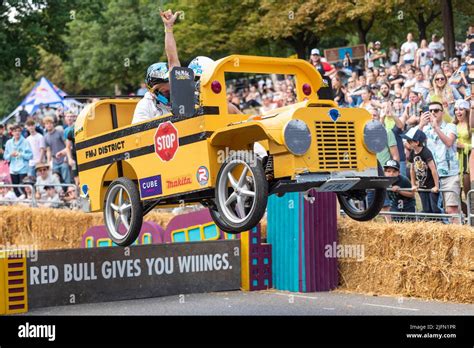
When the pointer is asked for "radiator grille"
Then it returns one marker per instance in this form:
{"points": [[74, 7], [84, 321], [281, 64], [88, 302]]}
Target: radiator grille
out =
{"points": [[336, 144]]}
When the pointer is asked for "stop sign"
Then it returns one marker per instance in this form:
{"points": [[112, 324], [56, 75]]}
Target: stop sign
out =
{"points": [[166, 141]]}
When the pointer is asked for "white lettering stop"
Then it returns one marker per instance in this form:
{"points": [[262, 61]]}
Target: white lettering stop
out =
{"points": [[166, 141]]}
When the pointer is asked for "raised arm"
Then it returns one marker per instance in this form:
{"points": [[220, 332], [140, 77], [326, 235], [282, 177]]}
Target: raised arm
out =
{"points": [[170, 43]]}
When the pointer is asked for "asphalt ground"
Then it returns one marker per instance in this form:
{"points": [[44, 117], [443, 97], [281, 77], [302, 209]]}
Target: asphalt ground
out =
{"points": [[269, 302]]}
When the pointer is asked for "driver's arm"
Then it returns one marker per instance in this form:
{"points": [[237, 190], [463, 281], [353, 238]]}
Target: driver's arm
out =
{"points": [[170, 43]]}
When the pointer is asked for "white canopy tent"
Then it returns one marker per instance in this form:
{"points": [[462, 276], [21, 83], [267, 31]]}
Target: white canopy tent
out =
{"points": [[45, 93]]}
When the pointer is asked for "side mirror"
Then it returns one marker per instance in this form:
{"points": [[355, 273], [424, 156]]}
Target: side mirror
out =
{"points": [[182, 92]]}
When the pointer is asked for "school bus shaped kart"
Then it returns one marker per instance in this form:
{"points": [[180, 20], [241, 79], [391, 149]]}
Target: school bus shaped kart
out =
{"points": [[126, 170]]}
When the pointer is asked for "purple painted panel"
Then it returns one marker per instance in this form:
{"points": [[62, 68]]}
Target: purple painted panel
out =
{"points": [[100, 232], [309, 249], [320, 230], [183, 221], [199, 217], [260, 273], [301, 246]]}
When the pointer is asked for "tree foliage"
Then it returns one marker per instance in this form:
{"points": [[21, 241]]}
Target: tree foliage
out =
{"points": [[104, 46]]}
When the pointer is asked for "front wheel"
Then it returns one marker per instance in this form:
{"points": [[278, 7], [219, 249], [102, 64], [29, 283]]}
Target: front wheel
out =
{"points": [[362, 206], [123, 211], [241, 193]]}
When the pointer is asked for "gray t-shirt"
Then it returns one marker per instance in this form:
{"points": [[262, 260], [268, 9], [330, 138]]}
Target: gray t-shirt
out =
{"points": [[55, 141]]}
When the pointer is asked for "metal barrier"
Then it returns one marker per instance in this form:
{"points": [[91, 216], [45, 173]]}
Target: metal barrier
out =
{"points": [[421, 216], [470, 214], [61, 203], [33, 202]]}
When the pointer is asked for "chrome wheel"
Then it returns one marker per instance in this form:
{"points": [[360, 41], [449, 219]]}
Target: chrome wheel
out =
{"points": [[118, 212], [123, 213], [237, 197]]}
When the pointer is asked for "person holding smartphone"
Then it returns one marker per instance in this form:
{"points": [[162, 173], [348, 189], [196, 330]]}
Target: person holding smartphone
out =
{"points": [[414, 108], [441, 141], [396, 124]]}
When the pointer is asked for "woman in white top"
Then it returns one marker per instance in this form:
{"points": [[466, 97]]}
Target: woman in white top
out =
{"points": [[423, 57]]}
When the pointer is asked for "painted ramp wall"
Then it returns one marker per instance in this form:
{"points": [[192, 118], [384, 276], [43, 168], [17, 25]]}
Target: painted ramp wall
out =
{"points": [[300, 232], [64, 277]]}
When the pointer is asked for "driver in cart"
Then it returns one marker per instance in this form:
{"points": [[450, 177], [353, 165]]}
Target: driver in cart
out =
{"points": [[156, 102]]}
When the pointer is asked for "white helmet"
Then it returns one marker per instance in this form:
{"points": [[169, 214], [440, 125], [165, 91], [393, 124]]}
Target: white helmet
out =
{"points": [[200, 64]]}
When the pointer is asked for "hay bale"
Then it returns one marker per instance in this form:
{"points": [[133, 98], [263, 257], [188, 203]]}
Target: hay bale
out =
{"points": [[427, 243], [370, 277], [427, 260], [48, 228], [411, 280]]}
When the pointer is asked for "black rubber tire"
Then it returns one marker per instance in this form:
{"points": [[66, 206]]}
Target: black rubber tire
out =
{"points": [[136, 218], [216, 217], [261, 195], [371, 212]]}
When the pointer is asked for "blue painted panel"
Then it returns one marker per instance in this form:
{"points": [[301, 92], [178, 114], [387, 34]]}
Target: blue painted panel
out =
{"points": [[283, 233], [210, 232], [194, 234], [179, 237]]}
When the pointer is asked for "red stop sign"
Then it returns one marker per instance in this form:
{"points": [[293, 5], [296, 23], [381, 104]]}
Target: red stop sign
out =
{"points": [[166, 141]]}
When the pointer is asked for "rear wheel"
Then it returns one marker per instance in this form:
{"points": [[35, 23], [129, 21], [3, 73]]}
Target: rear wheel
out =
{"points": [[123, 212], [241, 193], [216, 216], [362, 206]]}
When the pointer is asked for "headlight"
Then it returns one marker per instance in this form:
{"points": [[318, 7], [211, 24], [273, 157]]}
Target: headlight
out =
{"points": [[297, 137], [375, 136]]}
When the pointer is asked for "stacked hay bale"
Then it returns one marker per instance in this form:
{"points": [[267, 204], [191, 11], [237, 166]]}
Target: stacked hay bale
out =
{"points": [[428, 260], [54, 228]]}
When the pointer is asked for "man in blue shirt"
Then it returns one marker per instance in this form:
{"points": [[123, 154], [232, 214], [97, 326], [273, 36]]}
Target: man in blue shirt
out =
{"points": [[18, 153], [442, 144]]}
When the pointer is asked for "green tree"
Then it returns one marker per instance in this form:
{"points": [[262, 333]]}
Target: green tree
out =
{"points": [[296, 23], [25, 26], [421, 12], [215, 28], [110, 55]]}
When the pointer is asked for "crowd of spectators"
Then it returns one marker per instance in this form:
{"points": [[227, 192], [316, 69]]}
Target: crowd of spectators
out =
{"points": [[261, 95], [37, 152], [422, 98], [407, 86]]}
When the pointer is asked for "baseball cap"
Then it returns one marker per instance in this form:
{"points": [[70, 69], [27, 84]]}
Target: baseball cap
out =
{"points": [[315, 51], [392, 164], [415, 135], [377, 43]]}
